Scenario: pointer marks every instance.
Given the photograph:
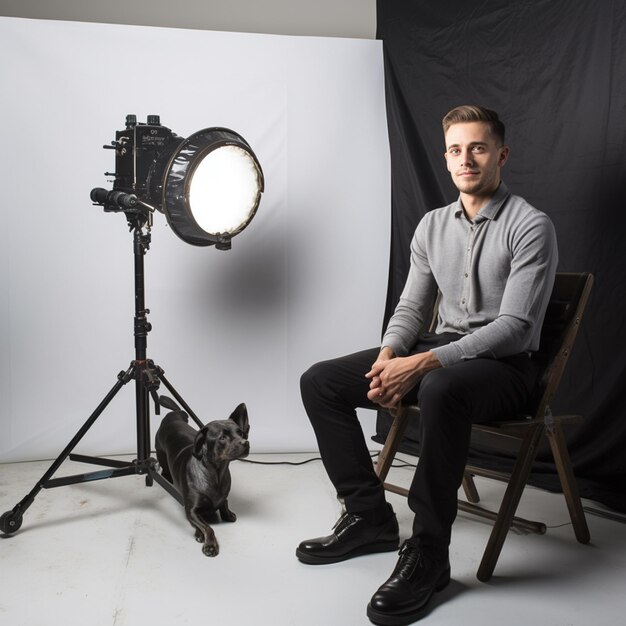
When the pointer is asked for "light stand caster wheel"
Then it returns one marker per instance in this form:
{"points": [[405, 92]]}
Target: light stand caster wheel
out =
{"points": [[10, 522]]}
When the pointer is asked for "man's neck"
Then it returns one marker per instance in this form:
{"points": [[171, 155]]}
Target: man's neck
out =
{"points": [[472, 204]]}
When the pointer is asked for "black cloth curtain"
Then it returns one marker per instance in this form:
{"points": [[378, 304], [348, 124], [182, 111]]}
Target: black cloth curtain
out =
{"points": [[555, 70]]}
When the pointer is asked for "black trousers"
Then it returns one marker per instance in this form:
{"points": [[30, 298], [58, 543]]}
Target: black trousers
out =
{"points": [[451, 399]]}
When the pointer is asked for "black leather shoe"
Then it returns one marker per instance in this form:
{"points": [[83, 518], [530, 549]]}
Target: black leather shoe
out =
{"points": [[352, 536], [403, 598]]}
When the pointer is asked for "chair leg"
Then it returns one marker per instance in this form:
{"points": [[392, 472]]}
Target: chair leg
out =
{"points": [[392, 442], [469, 487], [510, 501], [558, 445]]}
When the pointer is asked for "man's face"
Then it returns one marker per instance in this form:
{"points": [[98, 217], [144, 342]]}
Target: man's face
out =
{"points": [[474, 158]]}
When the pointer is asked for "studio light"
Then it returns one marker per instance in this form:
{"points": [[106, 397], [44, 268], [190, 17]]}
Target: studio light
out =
{"points": [[208, 185]]}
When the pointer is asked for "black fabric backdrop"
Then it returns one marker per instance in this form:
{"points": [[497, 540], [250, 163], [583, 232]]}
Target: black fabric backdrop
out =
{"points": [[555, 70]]}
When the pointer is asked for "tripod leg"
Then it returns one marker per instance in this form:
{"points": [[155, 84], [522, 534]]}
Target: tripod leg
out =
{"points": [[166, 484], [11, 521]]}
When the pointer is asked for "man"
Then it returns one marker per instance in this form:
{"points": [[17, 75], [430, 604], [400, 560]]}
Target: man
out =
{"points": [[493, 258]]}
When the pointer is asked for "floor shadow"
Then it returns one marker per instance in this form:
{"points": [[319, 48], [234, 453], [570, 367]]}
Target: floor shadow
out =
{"points": [[453, 590]]}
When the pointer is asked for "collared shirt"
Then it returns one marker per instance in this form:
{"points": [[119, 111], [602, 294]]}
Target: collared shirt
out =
{"points": [[494, 273]]}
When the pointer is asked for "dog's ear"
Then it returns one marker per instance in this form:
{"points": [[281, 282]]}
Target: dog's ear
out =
{"points": [[199, 441], [168, 403], [240, 417]]}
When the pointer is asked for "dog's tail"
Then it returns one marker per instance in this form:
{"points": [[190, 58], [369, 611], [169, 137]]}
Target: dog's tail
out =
{"points": [[168, 403]]}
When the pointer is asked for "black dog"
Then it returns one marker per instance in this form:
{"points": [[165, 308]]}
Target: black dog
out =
{"points": [[196, 463]]}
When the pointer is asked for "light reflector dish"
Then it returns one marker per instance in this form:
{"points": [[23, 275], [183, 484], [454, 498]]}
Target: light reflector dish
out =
{"points": [[212, 187]]}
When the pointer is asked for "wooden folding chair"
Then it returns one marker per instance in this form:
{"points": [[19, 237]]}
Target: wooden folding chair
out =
{"points": [[523, 435]]}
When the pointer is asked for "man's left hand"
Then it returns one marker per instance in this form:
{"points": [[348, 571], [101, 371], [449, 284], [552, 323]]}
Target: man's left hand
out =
{"points": [[392, 379]]}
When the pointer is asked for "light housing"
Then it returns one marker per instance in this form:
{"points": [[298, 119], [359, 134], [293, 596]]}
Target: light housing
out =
{"points": [[208, 185]]}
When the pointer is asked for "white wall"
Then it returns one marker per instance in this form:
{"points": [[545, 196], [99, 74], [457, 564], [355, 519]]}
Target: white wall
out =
{"points": [[328, 18], [305, 281]]}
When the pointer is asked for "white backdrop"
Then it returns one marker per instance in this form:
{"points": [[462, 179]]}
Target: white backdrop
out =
{"points": [[305, 281]]}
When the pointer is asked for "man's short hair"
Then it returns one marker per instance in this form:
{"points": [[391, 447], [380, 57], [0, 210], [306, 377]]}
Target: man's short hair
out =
{"points": [[475, 113]]}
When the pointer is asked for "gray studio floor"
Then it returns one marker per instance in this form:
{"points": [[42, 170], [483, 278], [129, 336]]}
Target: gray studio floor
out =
{"points": [[116, 553]]}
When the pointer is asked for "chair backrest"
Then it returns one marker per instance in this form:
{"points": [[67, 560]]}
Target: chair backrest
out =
{"points": [[558, 332], [562, 321]]}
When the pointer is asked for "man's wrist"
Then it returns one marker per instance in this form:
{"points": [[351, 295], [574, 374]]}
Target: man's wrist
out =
{"points": [[427, 361], [386, 353]]}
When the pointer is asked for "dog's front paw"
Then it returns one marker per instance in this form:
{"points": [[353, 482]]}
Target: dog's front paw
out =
{"points": [[210, 549], [207, 537]]}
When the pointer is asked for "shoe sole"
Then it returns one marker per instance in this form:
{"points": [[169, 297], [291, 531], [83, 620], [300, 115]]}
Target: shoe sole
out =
{"points": [[371, 548], [402, 619]]}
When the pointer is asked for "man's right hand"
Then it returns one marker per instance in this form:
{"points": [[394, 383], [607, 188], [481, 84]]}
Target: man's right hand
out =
{"points": [[376, 389], [393, 377]]}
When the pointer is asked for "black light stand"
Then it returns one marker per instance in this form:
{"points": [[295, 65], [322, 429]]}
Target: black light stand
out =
{"points": [[147, 377]]}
